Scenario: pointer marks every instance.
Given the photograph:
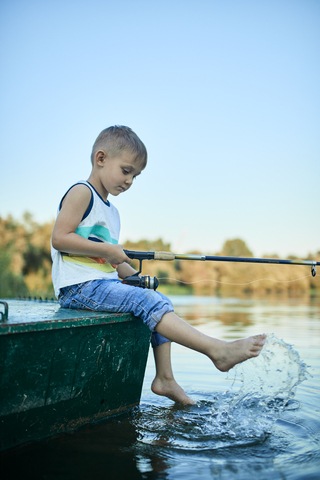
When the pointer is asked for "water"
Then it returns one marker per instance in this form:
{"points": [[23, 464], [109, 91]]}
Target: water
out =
{"points": [[261, 420]]}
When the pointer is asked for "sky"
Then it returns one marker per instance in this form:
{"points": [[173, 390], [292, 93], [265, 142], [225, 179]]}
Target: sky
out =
{"points": [[225, 94]]}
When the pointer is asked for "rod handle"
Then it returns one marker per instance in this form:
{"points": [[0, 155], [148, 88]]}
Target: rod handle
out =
{"points": [[164, 256]]}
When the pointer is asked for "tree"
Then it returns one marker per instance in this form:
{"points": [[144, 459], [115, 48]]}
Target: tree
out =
{"points": [[236, 248], [11, 284]]}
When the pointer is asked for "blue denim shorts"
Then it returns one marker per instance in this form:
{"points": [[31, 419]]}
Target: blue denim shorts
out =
{"points": [[112, 296]]}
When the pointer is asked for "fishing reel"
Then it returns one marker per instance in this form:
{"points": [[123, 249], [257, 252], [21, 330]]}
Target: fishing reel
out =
{"points": [[145, 281]]}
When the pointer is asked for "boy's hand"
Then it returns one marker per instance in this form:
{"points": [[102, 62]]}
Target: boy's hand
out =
{"points": [[116, 255]]}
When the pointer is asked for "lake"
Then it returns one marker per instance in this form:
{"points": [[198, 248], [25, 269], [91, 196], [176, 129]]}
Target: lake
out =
{"points": [[259, 421]]}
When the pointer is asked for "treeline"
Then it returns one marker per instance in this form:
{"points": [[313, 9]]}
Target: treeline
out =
{"points": [[25, 267]]}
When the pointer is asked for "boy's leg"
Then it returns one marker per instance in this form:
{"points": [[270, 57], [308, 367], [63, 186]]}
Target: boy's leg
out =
{"points": [[224, 355], [164, 382]]}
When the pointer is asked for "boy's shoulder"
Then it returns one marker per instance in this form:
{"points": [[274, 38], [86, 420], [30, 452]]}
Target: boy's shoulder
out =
{"points": [[76, 192]]}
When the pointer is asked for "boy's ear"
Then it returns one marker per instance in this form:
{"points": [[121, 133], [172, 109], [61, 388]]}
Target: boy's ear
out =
{"points": [[100, 157]]}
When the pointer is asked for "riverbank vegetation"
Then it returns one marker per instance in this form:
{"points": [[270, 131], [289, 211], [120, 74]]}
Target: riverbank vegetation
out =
{"points": [[25, 267]]}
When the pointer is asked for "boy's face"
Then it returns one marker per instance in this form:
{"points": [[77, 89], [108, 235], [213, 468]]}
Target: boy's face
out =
{"points": [[117, 173]]}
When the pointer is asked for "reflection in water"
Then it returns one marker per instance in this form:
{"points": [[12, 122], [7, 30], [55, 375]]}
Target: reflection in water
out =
{"points": [[226, 311], [101, 450]]}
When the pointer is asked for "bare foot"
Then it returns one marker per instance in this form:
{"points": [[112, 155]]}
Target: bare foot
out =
{"points": [[170, 389], [230, 354]]}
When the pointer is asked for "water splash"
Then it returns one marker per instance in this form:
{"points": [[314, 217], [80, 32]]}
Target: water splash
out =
{"points": [[275, 373], [261, 389]]}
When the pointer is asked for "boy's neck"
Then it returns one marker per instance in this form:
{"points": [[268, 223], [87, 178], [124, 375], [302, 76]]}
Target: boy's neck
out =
{"points": [[97, 186]]}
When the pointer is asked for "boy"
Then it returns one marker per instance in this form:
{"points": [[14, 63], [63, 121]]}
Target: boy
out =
{"points": [[88, 262]]}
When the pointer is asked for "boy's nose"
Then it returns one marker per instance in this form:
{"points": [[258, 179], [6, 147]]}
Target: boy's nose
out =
{"points": [[129, 180]]}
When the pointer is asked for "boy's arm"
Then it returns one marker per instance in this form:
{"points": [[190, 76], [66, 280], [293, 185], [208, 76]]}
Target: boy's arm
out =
{"points": [[124, 270], [64, 238]]}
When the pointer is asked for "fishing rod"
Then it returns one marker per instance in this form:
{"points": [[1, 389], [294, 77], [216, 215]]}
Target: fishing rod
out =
{"points": [[145, 281]]}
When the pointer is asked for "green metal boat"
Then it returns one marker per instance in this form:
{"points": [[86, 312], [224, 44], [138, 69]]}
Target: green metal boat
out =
{"points": [[62, 368]]}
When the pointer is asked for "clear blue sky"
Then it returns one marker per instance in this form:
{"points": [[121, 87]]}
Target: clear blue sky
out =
{"points": [[225, 94]]}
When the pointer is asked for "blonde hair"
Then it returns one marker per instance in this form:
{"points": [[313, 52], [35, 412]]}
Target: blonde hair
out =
{"points": [[119, 139]]}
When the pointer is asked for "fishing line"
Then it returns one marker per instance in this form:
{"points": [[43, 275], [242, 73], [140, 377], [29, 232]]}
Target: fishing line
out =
{"points": [[235, 284]]}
